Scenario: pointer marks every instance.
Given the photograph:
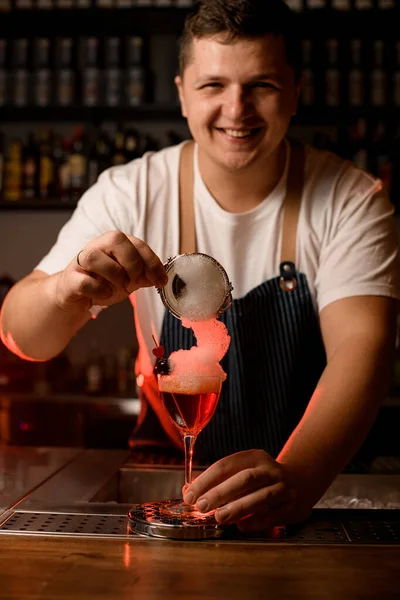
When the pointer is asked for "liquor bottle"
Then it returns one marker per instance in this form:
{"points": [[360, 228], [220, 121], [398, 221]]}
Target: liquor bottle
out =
{"points": [[356, 75], [44, 4], [295, 5], [21, 83], [189, 3], [63, 171], [24, 4], [5, 6], [113, 73], [3, 73], [378, 85], [65, 86], [30, 169], [42, 79], [64, 4], [83, 3], [332, 75], [358, 145], [386, 4], [118, 154], [91, 75], [363, 4], [135, 86], [132, 145], [313, 4], [13, 172], [104, 3], [341, 5], [308, 88], [134, 49], [77, 165], [396, 77], [46, 166], [99, 158]]}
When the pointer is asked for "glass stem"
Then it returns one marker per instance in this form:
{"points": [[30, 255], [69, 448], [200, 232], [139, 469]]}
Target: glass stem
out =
{"points": [[188, 441]]}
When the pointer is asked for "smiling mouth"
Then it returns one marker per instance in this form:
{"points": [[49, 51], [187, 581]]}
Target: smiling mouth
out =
{"points": [[240, 133]]}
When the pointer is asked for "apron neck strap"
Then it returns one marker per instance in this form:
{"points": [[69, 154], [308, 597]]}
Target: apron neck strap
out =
{"points": [[292, 201], [187, 235], [294, 188]]}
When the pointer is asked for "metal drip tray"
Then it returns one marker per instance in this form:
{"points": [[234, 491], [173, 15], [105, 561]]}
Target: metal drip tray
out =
{"points": [[326, 526], [65, 524]]}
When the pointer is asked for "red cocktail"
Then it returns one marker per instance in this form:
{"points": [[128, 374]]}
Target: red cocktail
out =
{"points": [[190, 404]]}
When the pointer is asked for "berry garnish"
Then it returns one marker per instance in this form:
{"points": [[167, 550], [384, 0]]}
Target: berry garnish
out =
{"points": [[159, 351], [161, 366]]}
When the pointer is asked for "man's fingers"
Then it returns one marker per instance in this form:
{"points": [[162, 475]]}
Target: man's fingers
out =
{"points": [[237, 486], [154, 270], [264, 499], [97, 261], [226, 468]]}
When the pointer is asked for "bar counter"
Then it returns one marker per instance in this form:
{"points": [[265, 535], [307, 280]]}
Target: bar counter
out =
{"points": [[62, 567]]}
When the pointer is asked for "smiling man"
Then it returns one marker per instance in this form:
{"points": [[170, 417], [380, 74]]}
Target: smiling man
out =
{"points": [[308, 241]]}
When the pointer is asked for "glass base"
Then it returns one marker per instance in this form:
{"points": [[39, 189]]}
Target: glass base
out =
{"points": [[179, 509]]}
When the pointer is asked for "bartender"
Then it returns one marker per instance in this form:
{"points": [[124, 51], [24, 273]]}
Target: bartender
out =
{"points": [[308, 242]]}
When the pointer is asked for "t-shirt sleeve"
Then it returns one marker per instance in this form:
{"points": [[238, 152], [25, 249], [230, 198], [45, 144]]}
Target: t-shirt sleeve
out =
{"points": [[108, 205], [359, 255]]}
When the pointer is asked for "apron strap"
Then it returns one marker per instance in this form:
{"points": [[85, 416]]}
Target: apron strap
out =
{"points": [[292, 201], [187, 236], [295, 181]]}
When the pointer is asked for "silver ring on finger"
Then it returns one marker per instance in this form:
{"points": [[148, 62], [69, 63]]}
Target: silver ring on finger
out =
{"points": [[77, 260]]}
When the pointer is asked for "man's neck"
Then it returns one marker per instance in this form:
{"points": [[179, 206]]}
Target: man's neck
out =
{"points": [[241, 192]]}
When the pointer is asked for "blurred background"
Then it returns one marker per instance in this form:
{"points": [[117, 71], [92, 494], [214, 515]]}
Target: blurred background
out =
{"points": [[86, 84]]}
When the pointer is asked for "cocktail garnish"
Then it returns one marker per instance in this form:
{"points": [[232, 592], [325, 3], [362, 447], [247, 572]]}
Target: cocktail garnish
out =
{"points": [[158, 351], [162, 366]]}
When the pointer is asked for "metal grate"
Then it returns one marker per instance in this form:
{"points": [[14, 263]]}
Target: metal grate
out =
{"points": [[376, 532], [326, 526], [67, 524]]}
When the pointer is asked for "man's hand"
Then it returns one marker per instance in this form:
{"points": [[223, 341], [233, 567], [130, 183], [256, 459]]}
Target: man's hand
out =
{"points": [[249, 488], [110, 268]]}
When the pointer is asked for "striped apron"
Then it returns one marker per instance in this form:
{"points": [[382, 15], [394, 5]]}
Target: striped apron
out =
{"points": [[276, 355]]}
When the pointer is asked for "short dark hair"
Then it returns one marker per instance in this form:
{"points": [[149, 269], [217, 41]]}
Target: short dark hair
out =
{"points": [[241, 18]]}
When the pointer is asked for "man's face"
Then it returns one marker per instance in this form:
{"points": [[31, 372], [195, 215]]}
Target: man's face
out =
{"points": [[238, 98]]}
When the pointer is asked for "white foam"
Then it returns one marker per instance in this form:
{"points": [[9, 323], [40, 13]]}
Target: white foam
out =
{"points": [[203, 295]]}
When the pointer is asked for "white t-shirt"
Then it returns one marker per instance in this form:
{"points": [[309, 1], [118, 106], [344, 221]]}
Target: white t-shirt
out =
{"points": [[346, 239]]}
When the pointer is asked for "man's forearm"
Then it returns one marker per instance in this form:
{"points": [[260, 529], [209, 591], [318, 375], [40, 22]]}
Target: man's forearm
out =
{"points": [[339, 416], [32, 325]]}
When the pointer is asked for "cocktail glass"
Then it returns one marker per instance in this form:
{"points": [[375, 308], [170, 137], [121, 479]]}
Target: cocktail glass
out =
{"points": [[190, 411]]}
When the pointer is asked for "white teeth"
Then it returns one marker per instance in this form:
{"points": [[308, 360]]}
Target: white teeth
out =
{"points": [[238, 134]]}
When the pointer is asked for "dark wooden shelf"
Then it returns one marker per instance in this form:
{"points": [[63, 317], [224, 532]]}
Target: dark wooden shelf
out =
{"points": [[48, 205], [96, 114], [154, 112], [145, 20], [92, 21]]}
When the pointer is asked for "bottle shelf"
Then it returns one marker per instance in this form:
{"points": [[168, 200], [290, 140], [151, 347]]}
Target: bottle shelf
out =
{"points": [[96, 114], [317, 23], [35, 205], [91, 21], [153, 112]]}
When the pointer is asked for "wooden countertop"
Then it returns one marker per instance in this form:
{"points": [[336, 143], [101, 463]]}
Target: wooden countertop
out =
{"points": [[34, 568]]}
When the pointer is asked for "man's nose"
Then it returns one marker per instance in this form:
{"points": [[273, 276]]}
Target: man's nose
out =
{"points": [[236, 103]]}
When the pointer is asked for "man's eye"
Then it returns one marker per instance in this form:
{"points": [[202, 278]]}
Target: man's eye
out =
{"points": [[264, 84], [212, 84]]}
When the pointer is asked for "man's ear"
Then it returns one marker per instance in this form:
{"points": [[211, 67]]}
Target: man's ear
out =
{"points": [[179, 85]]}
